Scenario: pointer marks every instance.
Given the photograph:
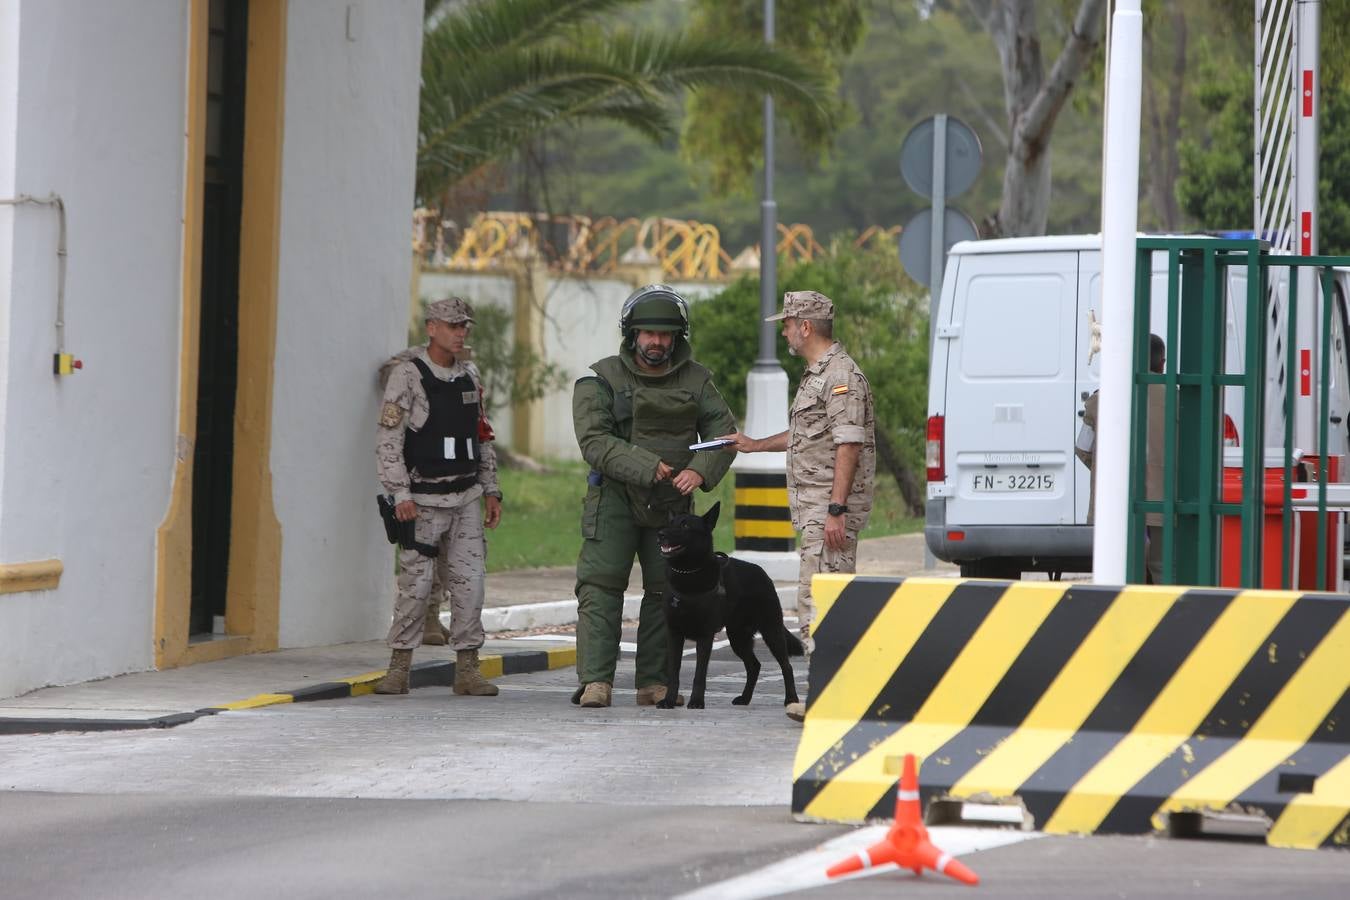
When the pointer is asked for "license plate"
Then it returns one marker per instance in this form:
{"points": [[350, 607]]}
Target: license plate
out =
{"points": [[1013, 482]]}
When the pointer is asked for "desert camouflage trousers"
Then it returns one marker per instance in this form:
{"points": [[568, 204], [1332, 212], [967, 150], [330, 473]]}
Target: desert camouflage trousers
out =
{"points": [[458, 532], [815, 558]]}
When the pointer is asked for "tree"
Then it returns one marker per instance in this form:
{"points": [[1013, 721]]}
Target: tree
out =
{"points": [[725, 131], [1033, 100], [1215, 187], [1165, 33], [497, 72]]}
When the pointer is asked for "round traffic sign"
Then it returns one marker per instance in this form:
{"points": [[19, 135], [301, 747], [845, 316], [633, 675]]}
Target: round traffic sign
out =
{"points": [[916, 240], [963, 157]]}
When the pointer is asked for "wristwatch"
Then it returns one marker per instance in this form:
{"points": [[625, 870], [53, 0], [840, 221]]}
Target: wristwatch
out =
{"points": [[837, 509]]}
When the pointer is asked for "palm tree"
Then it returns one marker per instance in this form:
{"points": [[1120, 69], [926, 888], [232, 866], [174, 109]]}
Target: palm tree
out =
{"points": [[497, 72]]}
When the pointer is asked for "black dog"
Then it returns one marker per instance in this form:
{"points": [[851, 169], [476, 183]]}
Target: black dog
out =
{"points": [[706, 591]]}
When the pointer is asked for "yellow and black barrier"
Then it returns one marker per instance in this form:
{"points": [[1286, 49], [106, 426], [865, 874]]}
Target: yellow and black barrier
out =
{"points": [[1103, 708], [763, 520]]}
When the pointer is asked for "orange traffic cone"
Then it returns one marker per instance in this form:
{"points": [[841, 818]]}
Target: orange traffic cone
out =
{"points": [[906, 844]]}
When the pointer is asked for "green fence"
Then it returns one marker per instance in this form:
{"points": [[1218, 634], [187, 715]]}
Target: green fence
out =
{"points": [[1193, 381]]}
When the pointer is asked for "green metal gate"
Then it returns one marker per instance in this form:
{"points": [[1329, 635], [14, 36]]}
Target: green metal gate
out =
{"points": [[1192, 502]]}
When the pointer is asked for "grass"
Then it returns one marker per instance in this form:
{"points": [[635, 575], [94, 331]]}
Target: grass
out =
{"points": [[541, 516]]}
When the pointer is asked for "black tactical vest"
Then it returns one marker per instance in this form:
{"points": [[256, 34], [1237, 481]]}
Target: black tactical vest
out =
{"points": [[447, 443]]}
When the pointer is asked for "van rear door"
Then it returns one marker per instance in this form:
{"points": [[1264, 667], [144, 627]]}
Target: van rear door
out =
{"points": [[1010, 401], [1088, 372]]}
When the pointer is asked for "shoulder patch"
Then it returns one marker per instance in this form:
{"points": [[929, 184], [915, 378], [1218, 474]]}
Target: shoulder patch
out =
{"points": [[839, 389], [390, 415]]}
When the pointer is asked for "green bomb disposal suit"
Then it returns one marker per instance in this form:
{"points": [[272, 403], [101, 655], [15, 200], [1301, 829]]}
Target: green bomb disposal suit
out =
{"points": [[627, 422]]}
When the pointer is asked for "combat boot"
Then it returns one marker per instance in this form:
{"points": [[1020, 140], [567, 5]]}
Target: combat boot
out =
{"points": [[395, 681], [468, 680], [596, 694], [653, 694], [434, 634]]}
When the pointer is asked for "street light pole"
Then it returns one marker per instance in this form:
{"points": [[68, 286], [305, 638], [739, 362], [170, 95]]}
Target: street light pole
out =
{"points": [[764, 533], [768, 218]]}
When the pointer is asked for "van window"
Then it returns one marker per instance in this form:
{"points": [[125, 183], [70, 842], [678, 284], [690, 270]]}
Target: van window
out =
{"points": [[1011, 327]]}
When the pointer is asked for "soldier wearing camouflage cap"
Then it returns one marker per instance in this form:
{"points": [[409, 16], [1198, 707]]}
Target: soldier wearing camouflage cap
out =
{"points": [[436, 460], [635, 418], [811, 305], [451, 310], [831, 450]]}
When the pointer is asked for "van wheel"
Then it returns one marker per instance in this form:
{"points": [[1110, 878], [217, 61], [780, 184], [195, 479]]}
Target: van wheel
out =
{"points": [[991, 568]]}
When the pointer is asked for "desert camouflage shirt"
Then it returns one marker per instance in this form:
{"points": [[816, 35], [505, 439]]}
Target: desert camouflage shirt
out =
{"points": [[405, 405], [833, 406]]}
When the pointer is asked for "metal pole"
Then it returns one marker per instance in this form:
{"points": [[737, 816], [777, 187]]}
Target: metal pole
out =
{"points": [[939, 231], [1120, 219], [1307, 88], [937, 255], [766, 388], [768, 216]]}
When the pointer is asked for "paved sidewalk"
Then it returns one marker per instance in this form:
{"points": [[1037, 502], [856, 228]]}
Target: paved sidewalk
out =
{"points": [[541, 598], [522, 600]]}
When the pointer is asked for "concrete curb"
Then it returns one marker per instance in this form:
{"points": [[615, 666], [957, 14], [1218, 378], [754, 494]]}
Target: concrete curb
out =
{"points": [[13, 725], [558, 613], [435, 673]]}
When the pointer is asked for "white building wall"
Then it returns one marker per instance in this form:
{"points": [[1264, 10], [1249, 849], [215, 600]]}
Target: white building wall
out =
{"points": [[347, 188], [9, 99], [87, 459]]}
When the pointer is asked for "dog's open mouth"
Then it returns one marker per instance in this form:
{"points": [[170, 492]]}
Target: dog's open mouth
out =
{"points": [[671, 549]]}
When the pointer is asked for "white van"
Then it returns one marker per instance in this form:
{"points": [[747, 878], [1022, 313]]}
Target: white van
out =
{"points": [[1007, 379]]}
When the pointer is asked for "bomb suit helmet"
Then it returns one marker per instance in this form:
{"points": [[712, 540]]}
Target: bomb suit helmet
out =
{"points": [[653, 307]]}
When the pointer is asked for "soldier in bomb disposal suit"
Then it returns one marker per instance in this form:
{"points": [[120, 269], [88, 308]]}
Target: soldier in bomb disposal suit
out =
{"points": [[831, 450], [635, 417], [436, 458]]}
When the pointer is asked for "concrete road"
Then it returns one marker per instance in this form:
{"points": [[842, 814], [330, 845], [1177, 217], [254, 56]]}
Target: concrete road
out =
{"points": [[171, 846], [523, 795]]}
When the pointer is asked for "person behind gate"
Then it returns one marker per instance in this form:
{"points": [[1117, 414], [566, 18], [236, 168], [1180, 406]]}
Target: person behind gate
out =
{"points": [[831, 451], [635, 418], [436, 458]]}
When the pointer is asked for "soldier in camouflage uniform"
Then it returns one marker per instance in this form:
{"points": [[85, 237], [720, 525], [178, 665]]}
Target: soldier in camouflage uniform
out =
{"points": [[831, 450], [635, 419], [434, 634], [436, 458]]}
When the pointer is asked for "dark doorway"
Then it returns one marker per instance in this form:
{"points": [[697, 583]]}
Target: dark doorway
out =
{"points": [[218, 339]]}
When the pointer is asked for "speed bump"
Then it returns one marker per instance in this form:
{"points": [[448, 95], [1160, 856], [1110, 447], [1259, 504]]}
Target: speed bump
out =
{"points": [[1105, 709]]}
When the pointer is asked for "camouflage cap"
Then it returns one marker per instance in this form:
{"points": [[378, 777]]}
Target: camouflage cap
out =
{"points": [[804, 305], [451, 310]]}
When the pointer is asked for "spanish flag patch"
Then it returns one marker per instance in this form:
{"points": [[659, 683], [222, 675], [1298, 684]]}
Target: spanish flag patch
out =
{"points": [[839, 389]]}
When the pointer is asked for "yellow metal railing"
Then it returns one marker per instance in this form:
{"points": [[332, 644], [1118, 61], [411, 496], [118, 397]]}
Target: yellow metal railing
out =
{"points": [[683, 250]]}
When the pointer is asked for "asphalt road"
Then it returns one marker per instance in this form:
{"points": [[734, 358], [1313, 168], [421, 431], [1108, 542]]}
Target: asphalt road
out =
{"points": [[523, 795]]}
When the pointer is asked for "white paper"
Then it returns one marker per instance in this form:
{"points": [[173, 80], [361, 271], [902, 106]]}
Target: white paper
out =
{"points": [[1086, 440], [711, 445]]}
